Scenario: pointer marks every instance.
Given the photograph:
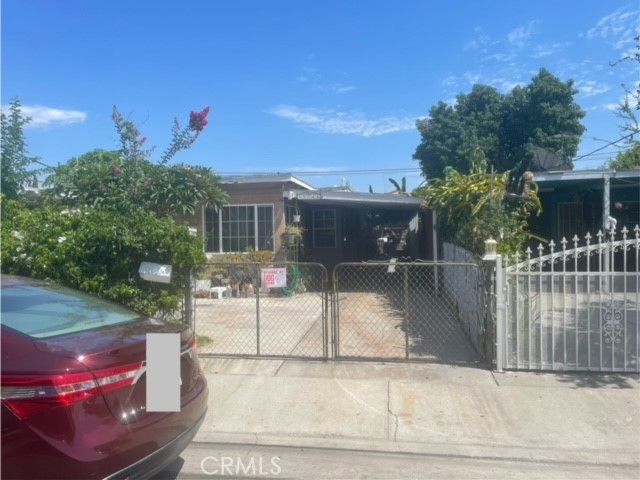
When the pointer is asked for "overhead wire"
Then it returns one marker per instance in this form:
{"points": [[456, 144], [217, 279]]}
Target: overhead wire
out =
{"points": [[605, 146]]}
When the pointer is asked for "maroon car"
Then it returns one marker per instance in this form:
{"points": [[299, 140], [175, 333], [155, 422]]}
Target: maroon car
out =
{"points": [[74, 391]]}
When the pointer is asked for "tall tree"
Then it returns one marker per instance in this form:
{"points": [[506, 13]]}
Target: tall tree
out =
{"points": [[505, 128], [15, 156], [629, 157]]}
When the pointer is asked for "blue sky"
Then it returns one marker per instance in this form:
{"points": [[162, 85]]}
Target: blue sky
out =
{"points": [[328, 90]]}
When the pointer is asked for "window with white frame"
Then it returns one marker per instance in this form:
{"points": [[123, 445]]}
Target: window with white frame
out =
{"points": [[324, 228], [236, 228]]}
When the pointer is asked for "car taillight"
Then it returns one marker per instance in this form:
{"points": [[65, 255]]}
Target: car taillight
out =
{"points": [[25, 395]]}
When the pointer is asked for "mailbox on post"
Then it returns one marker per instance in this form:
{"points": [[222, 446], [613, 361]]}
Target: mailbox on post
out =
{"points": [[155, 272]]}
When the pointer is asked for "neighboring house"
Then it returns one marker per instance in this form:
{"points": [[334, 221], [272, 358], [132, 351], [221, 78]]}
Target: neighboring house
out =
{"points": [[339, 225], [580, 201]]}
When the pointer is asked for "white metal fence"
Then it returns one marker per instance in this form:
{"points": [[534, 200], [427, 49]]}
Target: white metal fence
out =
{"points": [[575, 308]]}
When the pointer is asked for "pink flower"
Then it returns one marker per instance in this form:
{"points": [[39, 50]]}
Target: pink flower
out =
{"points": [[198, 120], [116, 170]]}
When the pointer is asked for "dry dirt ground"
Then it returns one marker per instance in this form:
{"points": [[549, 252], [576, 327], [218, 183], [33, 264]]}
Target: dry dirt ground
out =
{"points": [[368, 325]]}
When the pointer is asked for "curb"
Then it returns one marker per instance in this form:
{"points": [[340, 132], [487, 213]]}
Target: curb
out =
{"points": [[516, 453]]}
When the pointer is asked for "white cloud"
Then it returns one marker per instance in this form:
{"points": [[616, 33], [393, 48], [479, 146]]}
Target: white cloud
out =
{"points": [[473, 78], [590, 88], [333, 88], [500, 81], [613, 24], [344, 123], [629, 97], [619, 28], [450, 81], [520, 35], [42, 116], [311, 77], [480, 42], [545, 50], [500, 57], [342, 88], [308, 74]]}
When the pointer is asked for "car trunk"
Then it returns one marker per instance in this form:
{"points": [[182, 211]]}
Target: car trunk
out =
{"points": [[116, 355]]}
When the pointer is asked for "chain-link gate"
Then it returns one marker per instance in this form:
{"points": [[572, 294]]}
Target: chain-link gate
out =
{"points": [[409, 311], [384, 311], [236, 313]]}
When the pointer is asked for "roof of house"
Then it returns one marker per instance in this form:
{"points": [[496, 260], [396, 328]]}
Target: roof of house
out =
{"points": [[268, 178], [324, 197], [584, 179], [568, 175], [330, 195]]}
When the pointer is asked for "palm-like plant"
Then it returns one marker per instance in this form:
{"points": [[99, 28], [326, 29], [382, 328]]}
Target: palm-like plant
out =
{"points": [[471, 208], [399, 188]]}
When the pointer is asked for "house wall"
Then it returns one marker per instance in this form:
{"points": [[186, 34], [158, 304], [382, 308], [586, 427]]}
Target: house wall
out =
{"points": [[355, 239], [248, 194]]}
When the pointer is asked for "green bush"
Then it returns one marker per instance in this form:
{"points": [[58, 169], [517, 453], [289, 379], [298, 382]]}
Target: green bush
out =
{"points": [[473, 207], [99, 251]]}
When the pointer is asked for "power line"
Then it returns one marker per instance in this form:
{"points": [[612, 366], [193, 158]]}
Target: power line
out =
{"points": [[605, 146], [43, 164], [336, 172]]}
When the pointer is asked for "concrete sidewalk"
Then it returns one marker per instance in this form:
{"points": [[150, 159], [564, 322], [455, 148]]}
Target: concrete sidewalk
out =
{"points": [[425, 408]]}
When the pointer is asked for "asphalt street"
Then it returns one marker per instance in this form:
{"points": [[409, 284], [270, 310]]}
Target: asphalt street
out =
{"points": [[204, 460]]}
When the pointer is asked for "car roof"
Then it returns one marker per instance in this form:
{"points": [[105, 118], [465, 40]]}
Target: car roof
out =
{"points": [[13, 280]]}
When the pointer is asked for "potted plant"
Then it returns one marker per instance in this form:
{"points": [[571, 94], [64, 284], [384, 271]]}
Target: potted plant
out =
{"points": [[292, 234]]}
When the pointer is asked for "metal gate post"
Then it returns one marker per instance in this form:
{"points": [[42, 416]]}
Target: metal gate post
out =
{"points": [[189, 304], [406, 310], [493, 260], [327, 331], [501, 321], [257, 293], [334, 337]]}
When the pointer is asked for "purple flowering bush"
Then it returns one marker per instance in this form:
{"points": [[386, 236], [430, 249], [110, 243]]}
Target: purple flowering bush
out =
{"points": [[119, 179], [104, 212]]}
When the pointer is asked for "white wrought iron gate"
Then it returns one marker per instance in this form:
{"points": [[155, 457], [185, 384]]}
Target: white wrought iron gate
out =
{"points": [[573, 308]]}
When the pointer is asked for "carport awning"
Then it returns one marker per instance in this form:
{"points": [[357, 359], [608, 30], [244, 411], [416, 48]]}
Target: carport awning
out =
{"points": [[325, 197]]}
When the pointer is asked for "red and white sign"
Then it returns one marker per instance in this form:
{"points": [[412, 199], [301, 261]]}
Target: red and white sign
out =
{"points": [[274, 277]]}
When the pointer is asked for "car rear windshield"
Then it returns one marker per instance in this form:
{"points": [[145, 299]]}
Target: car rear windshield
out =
{"points": [[43, 311]]}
